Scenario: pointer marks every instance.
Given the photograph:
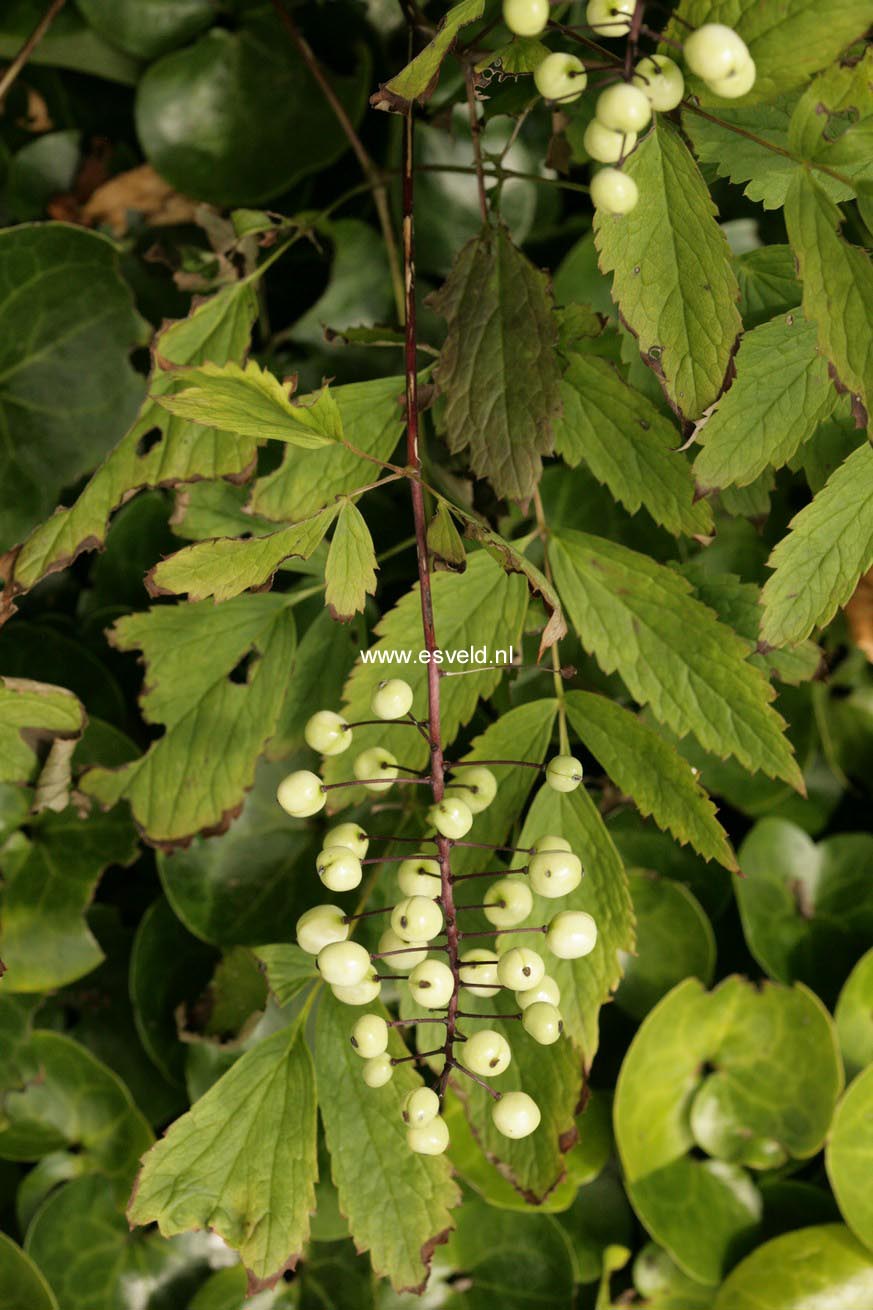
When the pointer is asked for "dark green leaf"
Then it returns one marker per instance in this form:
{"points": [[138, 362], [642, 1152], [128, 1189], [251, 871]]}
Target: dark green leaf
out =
{"points": [[417, 81], [146, 28], [825, 1263], [22, 1286], [512, 1260], [674, 941]]}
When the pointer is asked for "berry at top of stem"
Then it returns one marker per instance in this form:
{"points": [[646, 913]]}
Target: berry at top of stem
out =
{"points": [[301, 794], [526, 17], [543, 1022], [392, 699], [554, 873], [516, 1115], [327, 733], [739, 83], [560, 77], [339, 869], [546, 990], [432, 984], [549, 842], [350, 835], [407, 958], [419, 876], [378, 1071], [624, 108], [661, 81], [361, 993], [369, 1036], [420, 1106], [571, 934], [715, 51], [343, 963], [430, 1138], [373, 765], [480, 975]]}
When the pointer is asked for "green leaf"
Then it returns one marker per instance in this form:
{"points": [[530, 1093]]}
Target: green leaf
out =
{"points": [[833, 124], [350, 572], [418, 80], [251, 402], [182, 784], [358, 291], [673, 279], [323, 660], [498, 369], [49, 880], [628, 445], [599, 1219], [823, 1263], [216, 509], [146, 28], [264, 1107], [854, 1017], [649, 770], [768, 283], [738, 142], [32, 713], [225, 567], [782, 393], [637, 617], [513, 1261], [837, 284], [849, 1156], [22, 1286], [674, 941], [397, 1203], [807, 909], [69, 43], [288, 968], [158, 450], [643, 846], [827, 549], [775, 1077], [444, 541], [67, 388]]}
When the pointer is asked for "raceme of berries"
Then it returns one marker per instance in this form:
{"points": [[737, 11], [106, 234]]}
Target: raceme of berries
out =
{"points": [[526, 17], [560, 77]]}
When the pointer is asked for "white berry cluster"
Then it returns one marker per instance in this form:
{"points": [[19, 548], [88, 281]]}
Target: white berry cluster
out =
{"points": [[436, 972], [624, 109]]}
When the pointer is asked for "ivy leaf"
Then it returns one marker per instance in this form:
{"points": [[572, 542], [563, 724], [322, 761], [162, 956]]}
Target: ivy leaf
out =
{"points": [[418, 80], [673, 278], [397, 1203], [638, 618], [289, 970], [828, 547], [32, 713], [182, 784], [251, 402], [350, 572], [223, 568], [782, 393], [23, 1286], [628, 445], [498, 369], [823, 1262], [159, 450], [646, 768]]}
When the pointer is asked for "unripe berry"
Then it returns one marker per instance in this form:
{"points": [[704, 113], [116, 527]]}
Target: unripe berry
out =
{"points": [[431, 984], [339, 869], [560, 77], [571, 934], [343, 964], [350, 835], [370, 1036], [408, 958], [301, 794], [610, 17], [417, 919], [372, 765], [431, 1139], [392, 699], [554, 873], [521, 968], [476, 787], [715, 51], [420, 1106], [362, 993], [543, 1022], [487, 1053], [508, 902], [451, 818], [321, 926], [328, 733], [480, 975], [546, 990], [605, 145], [564, 773], [624, 108], [516, 1115], [613, 191], [550, 843], [738, 84], [378, 1071], [419, 876], [661, 82], [526, 17]]}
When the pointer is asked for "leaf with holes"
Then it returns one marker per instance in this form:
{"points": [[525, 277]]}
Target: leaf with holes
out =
{"points": [[350, 571], [33, 714]]}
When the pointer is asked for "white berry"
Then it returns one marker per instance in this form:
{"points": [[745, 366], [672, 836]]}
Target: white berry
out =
{"points": [[350, 835], [623, 107], [420, 1106], [613, 191], [487, 1053], [543, 1022], [546, 990], [392, 699], [320, 926], [480, 974], [508, 902], [301, 794], [571, 934], [605, 145], [661, 82], [370, 1036], [430, 1139], [526, 17], [431, 983], [738, 84], [477, 787], [328, 733], [378, 1071], [419, 876], [554, 873], [362, 993], [451, 818], [715, 51], [407, 957], [343, 963], [417, 919], [339, 869], [373, 765], [521, 968], [560, 77], [610, 17], [516, 1115]]}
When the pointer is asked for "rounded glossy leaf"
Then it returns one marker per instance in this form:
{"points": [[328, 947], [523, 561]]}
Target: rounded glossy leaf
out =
{"points": [[510, 1260], [822, 1268], [147, 28], [850, 1157], [644, 846], [674, 941], [854, 1017], [22, 1286]]}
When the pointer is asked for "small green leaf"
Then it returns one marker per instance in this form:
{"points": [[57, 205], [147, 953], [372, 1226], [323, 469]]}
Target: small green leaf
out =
{"points": [[350, 572], [22, 1286], [418, 80], [288, 968], [674, 941], [854, 1017], [444, 541], [513, 1261], [32, 712], [673, 278], [768, 283], [825, 1263], [849, 1156], [264, 1107]]}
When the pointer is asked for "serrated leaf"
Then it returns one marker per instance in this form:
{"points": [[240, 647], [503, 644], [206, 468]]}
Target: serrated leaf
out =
{"points": [[159, 450], [648, 769], [639, 619], [833, 124], [418, 80], [225, 567], [263, 1110], [289, 969], [628, 444], [673, 279], [251, 402], [184, 784], [746, 158], [828, 547], [768, 283], [444, 541], [397, 1203], [498, 369], [32, 713], [781, 394], [350, 571]]}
